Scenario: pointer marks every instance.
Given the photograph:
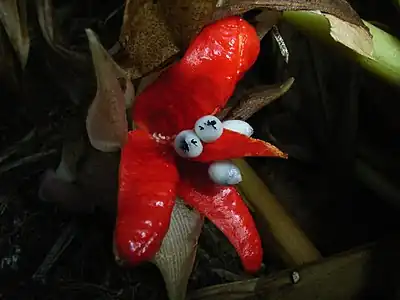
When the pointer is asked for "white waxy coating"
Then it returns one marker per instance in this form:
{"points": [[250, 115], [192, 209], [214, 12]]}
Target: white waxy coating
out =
{"points": [[224, 173], [239, 126], [188, 144], [208, 128]]}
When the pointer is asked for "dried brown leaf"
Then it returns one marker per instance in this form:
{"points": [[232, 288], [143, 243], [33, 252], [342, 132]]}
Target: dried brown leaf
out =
{"points": [[350, 35], [14, 19], [256, 99], [153, 33], [185, 18], [106, 122], [145, 38]]}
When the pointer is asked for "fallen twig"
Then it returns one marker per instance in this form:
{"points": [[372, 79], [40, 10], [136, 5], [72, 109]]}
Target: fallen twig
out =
{"points": [[26, 160], [63, 241]]}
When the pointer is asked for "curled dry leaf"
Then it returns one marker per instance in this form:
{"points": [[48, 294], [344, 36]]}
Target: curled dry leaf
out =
{"points": [[353, 36], [176, 257], [14, 19], [106, 122], [255, 99]]}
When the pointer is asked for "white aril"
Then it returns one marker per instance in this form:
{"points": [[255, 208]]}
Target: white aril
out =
{"points": [[224, 173], [208, 128], [188, 144], [239, 126]]}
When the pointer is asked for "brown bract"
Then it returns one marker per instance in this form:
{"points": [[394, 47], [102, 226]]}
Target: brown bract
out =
{"points": [[186, 18], [106, 123], [146, 40]]}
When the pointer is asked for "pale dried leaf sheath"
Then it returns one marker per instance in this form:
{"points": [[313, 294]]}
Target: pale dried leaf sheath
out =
{"points": [[352, 36], [106, 122], [178, 250], [14, 19]]}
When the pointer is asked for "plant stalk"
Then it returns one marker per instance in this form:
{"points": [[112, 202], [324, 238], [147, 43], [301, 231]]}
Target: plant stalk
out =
{"points": [[294, 246], [386, 48]]}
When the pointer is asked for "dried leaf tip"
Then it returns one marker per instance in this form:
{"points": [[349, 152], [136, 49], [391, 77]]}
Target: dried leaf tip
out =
{"points": [[106, 122]]}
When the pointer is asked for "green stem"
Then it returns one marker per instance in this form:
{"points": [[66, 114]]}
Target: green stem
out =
{"points": [[397, 4], [292, 244], [386, 62]]}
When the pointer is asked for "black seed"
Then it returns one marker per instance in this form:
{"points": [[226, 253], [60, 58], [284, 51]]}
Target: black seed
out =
{"points": [[201, 127], [194, 142], [184, 146], [211, 123]]}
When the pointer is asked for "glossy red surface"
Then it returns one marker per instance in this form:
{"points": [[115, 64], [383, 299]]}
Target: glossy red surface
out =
{"points": [[198, 85], [201, 83], [147, 190], [234, 145], [223, 206]]}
